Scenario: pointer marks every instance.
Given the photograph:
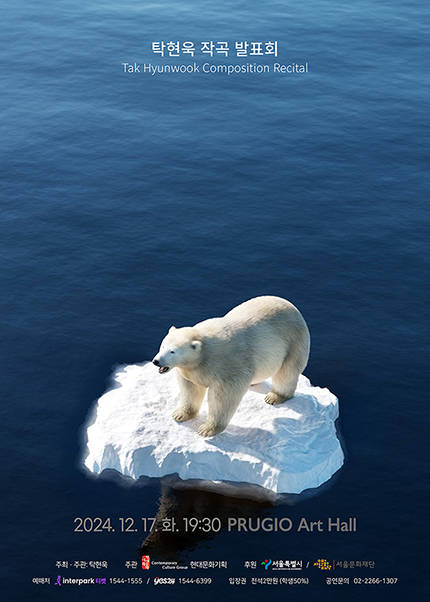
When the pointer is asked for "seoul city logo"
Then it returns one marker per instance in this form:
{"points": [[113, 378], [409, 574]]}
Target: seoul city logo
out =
{"points": [[267, 562]]}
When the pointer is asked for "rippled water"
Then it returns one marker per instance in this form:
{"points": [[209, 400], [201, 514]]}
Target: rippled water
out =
{"points": [[130, 202]]}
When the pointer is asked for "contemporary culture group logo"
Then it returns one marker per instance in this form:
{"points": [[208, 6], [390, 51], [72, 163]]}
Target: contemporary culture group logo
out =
{"points": [[146, 562]]}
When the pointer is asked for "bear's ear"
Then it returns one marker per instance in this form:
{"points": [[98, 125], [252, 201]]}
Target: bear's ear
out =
{"points": [[172, 328], [196, 344]]}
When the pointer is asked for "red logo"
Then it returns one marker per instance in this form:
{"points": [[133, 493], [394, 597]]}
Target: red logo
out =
{"points": [[146, 562]]}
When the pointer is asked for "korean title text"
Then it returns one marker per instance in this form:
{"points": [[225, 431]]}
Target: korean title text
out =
{"points": [[215, 48]]}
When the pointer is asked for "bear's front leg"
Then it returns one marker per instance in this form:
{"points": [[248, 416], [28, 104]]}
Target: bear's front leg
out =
{"points": [[223, 401], [191, 397]]}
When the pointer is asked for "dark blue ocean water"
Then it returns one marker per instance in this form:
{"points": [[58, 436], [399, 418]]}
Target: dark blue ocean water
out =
{"points": [[131, 202]]}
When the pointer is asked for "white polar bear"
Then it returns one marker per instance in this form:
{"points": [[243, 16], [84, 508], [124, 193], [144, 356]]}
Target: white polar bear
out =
{"points": [[263, 337]]}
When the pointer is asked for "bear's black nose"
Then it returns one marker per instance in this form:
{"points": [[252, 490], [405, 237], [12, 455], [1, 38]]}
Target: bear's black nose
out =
{"points": [[156, 362]]}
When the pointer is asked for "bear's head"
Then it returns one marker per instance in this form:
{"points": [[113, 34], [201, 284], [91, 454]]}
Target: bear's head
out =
{"points": [[179, 348]]}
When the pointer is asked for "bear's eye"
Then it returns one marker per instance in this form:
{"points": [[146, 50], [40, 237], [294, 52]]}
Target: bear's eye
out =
{"points": [[172, 352]]}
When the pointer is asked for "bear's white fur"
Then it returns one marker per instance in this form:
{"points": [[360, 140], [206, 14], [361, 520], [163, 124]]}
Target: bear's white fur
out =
{"points": [[263, 337]]}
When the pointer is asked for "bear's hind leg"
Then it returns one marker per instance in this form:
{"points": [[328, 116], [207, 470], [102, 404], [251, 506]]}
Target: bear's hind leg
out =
{"points": [[223, 402], [191, 397], [284, 382]]}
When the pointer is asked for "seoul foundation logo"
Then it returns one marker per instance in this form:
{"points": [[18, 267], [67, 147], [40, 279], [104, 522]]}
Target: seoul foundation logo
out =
{"points": [[146, 563], [266, 563], [323, 564]]}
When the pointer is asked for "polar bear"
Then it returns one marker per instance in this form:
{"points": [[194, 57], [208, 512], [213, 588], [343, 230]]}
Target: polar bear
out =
{"points": [[265, 336]]}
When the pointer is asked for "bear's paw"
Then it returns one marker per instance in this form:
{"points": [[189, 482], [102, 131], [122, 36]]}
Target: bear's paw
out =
{"points": [[182, 414], [274, 399], [208, 429]]}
